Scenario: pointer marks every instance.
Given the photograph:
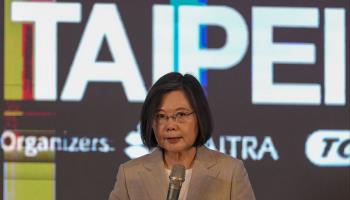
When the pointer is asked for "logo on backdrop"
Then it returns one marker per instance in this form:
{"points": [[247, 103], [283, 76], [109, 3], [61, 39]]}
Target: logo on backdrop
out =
{"points": [[329, 148], [32, 143], [136, 148]]}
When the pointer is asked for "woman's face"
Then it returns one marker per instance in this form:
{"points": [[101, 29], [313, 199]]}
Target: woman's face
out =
{"points": [[180, 134]]}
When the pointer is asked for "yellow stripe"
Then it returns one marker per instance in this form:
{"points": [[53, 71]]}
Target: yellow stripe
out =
{"points": [[24, 181], [13, 113], [30, 170], [19, 189], [13, 60]]}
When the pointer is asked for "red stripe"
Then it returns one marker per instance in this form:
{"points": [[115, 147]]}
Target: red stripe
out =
{"points": [[28, 61]]}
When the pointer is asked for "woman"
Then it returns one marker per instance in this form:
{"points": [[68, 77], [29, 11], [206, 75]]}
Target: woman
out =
{"points": [[176, 122]]}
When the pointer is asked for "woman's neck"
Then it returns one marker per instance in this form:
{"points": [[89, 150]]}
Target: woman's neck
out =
{"points": [[184, 158]]}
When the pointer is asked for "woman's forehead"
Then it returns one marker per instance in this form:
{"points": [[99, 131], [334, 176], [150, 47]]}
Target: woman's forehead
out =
{"points": [[175, 100]]}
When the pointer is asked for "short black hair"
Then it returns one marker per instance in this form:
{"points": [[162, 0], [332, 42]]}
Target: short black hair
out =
{"points": [[194, 93]]}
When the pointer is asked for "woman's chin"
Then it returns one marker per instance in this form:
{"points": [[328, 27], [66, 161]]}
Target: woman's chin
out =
{"points": [[176, 148]]}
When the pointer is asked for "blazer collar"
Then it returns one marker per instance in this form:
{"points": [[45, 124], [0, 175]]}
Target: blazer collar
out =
{"points": [[154, 170], [205, 169], [205, 158]]}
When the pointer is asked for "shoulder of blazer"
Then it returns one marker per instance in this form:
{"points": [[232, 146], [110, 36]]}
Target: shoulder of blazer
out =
{"points": [[154, 157], [212, 157]]}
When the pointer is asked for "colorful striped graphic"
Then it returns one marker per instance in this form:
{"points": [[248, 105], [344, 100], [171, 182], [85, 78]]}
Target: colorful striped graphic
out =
{"points": [[24, 177], [18, 58], [28, 177]]}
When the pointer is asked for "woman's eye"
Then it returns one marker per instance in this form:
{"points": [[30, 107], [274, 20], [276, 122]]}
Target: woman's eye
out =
{"points": [[180, 114], [160, 116]]}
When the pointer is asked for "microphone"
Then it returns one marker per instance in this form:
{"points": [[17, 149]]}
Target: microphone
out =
{"points": [[177, 177]]}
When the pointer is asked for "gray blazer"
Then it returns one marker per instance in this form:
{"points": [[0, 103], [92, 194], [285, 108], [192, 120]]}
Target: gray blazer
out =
{"points": [[214, 176]]}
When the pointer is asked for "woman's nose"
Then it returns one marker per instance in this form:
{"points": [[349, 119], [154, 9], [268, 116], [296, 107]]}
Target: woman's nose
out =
{"points": [[171, 124]]}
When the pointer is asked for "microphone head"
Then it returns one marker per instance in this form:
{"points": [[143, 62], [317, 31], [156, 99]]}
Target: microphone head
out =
{"points": [[177, 173]]}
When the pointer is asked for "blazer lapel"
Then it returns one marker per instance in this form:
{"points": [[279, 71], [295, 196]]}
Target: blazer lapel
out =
{"points": [[204, 171], [153, 176]]}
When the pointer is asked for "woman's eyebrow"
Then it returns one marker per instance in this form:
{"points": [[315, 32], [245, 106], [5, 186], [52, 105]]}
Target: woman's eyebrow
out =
{"points": [[182, 108], [177, 109]]}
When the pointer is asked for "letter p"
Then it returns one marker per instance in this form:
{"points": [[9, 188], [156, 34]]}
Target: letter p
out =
{"points": [[191, 57]]}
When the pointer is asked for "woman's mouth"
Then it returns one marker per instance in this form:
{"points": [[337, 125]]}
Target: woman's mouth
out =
{"points": [[173, 140]]}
